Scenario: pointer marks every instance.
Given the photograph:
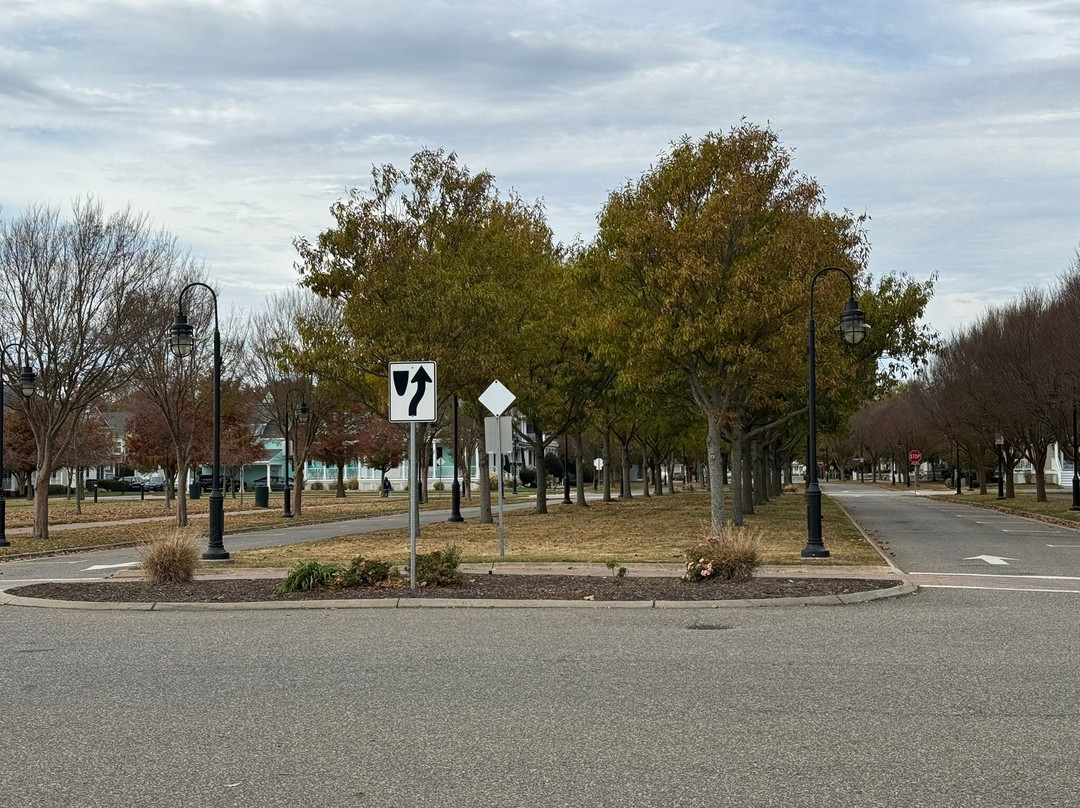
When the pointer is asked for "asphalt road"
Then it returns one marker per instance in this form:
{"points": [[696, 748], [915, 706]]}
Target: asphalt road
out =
{"points": [[941, 698], [942, 544]]}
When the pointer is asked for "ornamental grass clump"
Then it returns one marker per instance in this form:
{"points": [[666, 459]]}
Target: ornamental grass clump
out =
{"points": [[305, 576], [732, 555], [170, 559]]}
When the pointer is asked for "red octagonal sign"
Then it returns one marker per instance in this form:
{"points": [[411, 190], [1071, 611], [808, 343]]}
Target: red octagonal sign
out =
{"points": [[914, 456]]}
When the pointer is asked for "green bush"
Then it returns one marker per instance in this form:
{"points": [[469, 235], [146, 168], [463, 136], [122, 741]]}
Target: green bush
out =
{"points": [[305, 576], [368, 572], [170, 559], [439, 485], [733, 555], [317, 487], [439, 568], [527, 475]]}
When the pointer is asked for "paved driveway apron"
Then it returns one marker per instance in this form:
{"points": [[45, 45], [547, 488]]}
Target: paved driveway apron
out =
{"points": [[941, 544]]}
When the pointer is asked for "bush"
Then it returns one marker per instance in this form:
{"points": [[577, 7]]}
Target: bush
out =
{"points": [[493, 482], [318, 487], [440, 567], [170, 559], [527, 475], [59, 489], [438, 485], [731, 556], [304, 577], [352, 485], [368, 572]]}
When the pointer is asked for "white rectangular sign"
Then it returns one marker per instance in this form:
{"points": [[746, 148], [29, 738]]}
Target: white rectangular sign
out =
{"points": [[413, 392], [491, 434]]}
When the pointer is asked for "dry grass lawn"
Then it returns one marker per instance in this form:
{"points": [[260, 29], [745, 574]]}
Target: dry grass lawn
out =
{"points": [[658, 529]]}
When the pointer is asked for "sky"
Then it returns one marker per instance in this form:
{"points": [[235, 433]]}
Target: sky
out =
{"points": [[236, 124]]}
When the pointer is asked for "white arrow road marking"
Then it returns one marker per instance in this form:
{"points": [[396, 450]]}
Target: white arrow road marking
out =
{"points": [[1000, 575], [989, 559], [1075, 546], [112, 566]]}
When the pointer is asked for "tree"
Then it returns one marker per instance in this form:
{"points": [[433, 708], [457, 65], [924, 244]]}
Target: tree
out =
{"points": [[76, 291], [336, 446], [380, 444], [91, 444]]}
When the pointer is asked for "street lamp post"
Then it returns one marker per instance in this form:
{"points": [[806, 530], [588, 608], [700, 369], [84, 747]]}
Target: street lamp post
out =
{"points": [[27, 383], [455, 496], [302, 418], [182, 342], [958, 491], [853, 328]]}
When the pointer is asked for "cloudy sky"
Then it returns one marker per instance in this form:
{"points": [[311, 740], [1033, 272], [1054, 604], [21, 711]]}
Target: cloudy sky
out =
{"points": [[237, 123]]}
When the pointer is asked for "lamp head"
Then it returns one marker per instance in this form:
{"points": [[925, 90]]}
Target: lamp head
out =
{"points": [[27, 381], [303, 413], [853, 325], [180, 336]]}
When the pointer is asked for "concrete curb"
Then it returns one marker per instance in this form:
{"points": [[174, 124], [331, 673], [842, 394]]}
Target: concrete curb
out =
{"points": [[460, 603]]}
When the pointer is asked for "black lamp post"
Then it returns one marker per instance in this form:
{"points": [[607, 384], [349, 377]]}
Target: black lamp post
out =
{"points": [[455, 489], [999, 442], [182, 342], [27, 383], [301, 418], [853, 329], [1055, 399], [958, 491]]}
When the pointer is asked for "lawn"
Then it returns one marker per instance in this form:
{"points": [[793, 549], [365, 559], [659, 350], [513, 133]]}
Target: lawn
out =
{"points": [[658, 529], [319, 506]]}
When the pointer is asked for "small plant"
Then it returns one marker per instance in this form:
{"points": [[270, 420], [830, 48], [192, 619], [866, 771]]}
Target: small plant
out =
{"points": [[616, 570], [352, 484], [439, 485], [170, 559], [439, 568], [733, 555], [305, 576], [317, 487], [368, 572]]}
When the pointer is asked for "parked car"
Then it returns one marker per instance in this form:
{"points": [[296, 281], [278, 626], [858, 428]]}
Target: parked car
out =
{"points": [[132, 483], [206, 482], [155, 482], [276, 483], [679, 477]]}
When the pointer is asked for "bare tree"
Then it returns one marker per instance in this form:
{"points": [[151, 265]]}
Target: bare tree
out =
{"points": [[75, 291]]}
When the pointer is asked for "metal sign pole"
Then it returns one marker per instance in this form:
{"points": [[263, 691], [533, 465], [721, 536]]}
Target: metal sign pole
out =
{"points": [[414, 506], [499, 460]]}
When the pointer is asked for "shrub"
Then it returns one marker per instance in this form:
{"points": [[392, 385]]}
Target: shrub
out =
{"points": [[305, 576], [440, 567], [170, 559], [493, 482], [527, 475], [439, 485], [733, 555], [318, 487], [368, 572], [352, 484]]}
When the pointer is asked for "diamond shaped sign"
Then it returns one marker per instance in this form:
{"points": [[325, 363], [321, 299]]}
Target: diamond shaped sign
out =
{"points": [[497, 398]]}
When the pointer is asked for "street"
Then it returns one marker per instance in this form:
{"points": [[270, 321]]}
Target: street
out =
{"points": [[957, 697]]}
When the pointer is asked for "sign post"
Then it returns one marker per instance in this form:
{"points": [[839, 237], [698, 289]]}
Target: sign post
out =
{"points": [[915, 456], [413, 400], [497, 398]]}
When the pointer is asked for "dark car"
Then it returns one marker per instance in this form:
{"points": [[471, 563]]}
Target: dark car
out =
{"points": [[206, 482], [155, 482], [132, 483], [276, 483]]}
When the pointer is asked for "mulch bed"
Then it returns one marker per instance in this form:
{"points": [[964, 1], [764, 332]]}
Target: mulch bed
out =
{"points": [[511, 587]]}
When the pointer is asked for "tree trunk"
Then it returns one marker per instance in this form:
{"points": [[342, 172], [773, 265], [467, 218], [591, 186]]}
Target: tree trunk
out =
{"points": [[645, 460], [624, 484], [181, 495], [980, 459], [466, 475], [579, 469], [78, 490], [737, 488], [746, 467], [1039, 462], [723, 475], [298, 485], [541, 475], [1010, 477], [607, 466], [760, 493], [714, 444], [72, 478], [341, 481], [41, 497], [484, 473]]}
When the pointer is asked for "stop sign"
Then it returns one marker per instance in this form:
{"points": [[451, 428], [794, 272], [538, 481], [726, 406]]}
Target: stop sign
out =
{"points": [[914, 456], [821, 464]]}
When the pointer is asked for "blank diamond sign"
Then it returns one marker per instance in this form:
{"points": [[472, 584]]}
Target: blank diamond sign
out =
{"points": [[497, 398]]}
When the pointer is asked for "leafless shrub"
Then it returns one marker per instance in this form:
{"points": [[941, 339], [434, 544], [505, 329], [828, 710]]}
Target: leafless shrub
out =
{"points": [[170, 559]]}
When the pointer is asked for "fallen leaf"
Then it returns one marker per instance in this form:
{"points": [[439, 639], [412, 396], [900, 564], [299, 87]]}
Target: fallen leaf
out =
{"points": [[589, 597]]}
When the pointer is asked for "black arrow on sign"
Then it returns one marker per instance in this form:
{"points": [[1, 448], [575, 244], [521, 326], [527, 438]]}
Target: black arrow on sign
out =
{"points": [[421, 378]]}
